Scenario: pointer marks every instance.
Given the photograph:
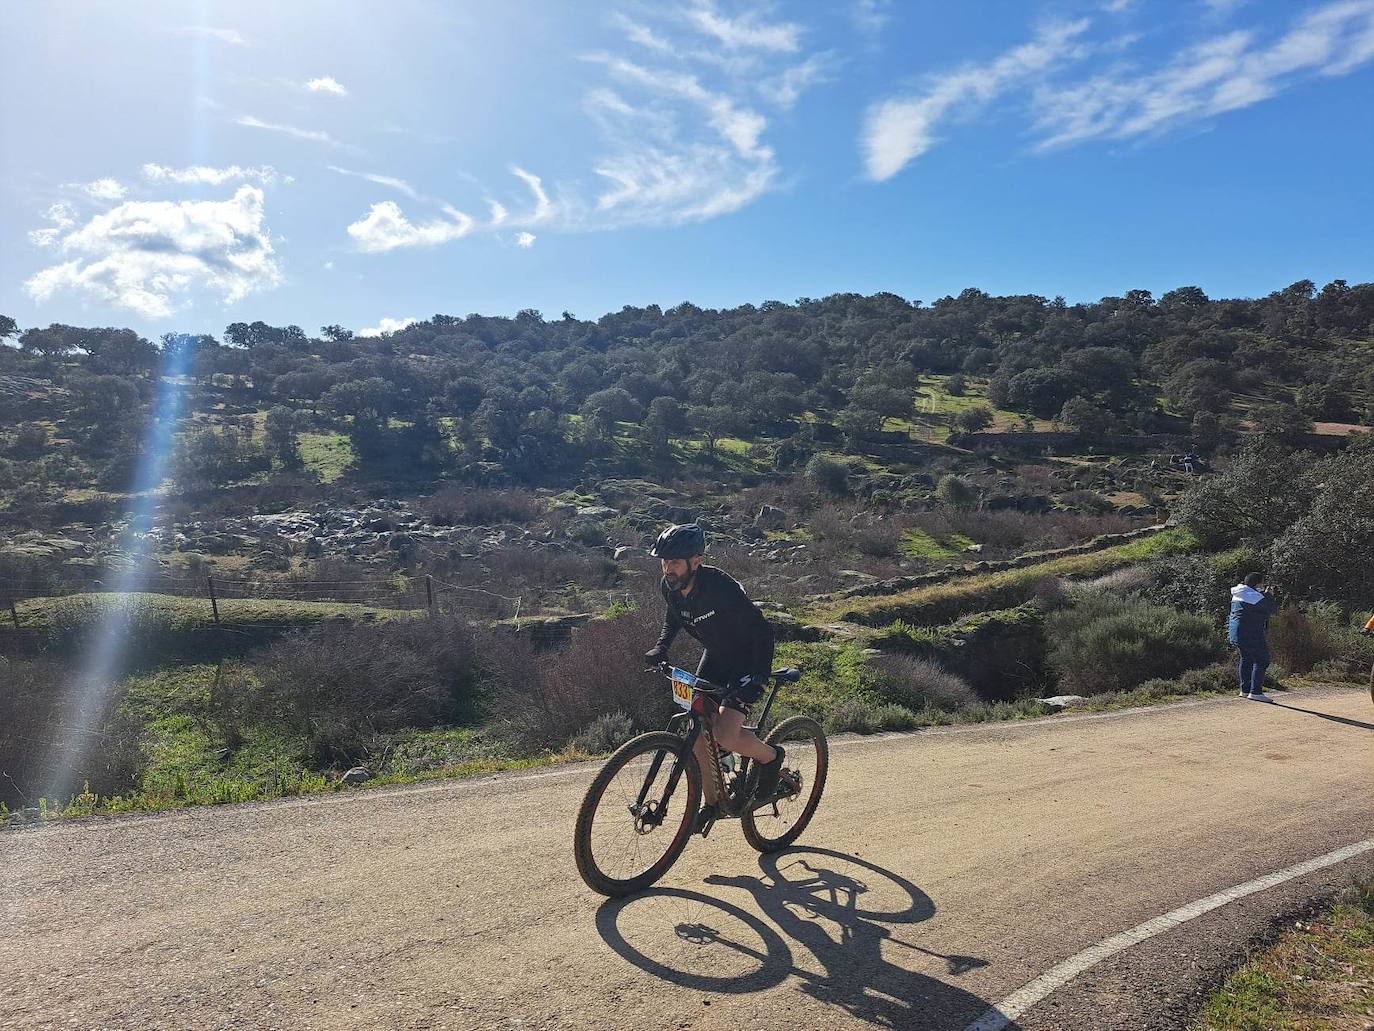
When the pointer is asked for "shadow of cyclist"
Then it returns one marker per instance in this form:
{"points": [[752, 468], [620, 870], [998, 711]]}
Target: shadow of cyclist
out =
{"points": [[840, 909]]}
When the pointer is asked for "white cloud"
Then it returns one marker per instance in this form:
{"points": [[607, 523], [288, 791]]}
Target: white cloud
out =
{"points": [[203, 174], [786, 88], [543, 207], [899, 130], [871, 15], [231, 36], [104, 189], [746, 33], [741, 126], [499, 212], [381, 180], [145, 255], [62, 213], [314, 135], [524, 240], [641, 34], [1221, 74], [44, 237], [388, 326], [327, 84], [385, 228]]}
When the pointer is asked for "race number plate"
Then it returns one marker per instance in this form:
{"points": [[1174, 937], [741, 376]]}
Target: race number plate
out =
{"points": [[682, 682]]}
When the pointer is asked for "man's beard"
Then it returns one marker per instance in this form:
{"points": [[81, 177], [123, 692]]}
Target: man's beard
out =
{"points": [[677, 583]]}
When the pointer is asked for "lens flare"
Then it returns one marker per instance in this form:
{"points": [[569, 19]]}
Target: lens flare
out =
{"points": [[102, 666]]}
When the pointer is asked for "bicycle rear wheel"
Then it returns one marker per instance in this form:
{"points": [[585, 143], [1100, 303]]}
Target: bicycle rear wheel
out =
{"points": [[621, 847], [777, 825]]}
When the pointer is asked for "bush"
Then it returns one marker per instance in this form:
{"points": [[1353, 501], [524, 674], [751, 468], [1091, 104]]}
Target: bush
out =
{"points": [[548, 697], [482, 506], [606, 733], [920, 683], [828, 474], [1297, 642], [956, 492], [861, 716], [56, 734], [1112, 644], [340, 686]]}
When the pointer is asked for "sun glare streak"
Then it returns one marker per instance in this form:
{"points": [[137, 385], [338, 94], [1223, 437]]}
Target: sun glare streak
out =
{"points": [[103, 664]]}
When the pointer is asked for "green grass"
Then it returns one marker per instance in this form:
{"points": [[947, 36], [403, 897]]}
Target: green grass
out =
{"points": [[918, 543], [176, 614], [1318, 975], [942, 603], [326, 454]]}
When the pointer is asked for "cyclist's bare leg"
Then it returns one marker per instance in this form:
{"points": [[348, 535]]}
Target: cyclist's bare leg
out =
{"points": [[731, 735], [728, 728]]}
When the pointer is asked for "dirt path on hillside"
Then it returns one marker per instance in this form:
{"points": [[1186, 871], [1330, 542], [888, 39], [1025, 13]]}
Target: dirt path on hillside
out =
{"points": [[944, 870]]}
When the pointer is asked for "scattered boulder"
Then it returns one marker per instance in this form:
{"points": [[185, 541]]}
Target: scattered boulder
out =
{"points": [[597, 512], [625, 554], [771, 518], [1062, 701], [354, 777]]}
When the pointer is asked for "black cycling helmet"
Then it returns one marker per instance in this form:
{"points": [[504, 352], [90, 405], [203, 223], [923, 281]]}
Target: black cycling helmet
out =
{"points": [[680, 542]]}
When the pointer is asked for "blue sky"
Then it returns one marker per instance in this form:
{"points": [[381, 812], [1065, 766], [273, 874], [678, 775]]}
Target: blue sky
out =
{"points": [[178, 166]]}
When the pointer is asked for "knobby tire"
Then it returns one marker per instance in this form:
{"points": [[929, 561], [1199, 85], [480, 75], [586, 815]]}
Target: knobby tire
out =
{"points": [[592, 808], [796, 729]]}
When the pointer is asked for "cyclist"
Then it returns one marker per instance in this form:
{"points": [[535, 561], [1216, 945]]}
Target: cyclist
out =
{"points": [[712, 607]]}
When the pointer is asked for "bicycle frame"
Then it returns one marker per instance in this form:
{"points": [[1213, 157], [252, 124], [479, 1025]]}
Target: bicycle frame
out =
{"points": [[692, 723]]}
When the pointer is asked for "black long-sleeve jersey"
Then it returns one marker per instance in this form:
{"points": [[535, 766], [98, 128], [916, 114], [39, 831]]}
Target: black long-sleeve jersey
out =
{"points": [[718, 614]]}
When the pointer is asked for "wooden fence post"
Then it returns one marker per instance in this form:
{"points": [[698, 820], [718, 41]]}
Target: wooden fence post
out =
{"points": [[214, 602], [429, 596], [14, 614]]}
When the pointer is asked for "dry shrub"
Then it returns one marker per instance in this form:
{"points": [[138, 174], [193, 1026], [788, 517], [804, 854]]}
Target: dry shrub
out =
{"points": [[341, 685], [1299, 642], [55, 734], [915, 683], [482, 506], [600, 671]]}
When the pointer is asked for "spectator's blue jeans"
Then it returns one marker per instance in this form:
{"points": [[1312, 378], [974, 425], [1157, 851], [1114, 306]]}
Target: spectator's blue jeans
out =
{"points": [[1253, 662]]}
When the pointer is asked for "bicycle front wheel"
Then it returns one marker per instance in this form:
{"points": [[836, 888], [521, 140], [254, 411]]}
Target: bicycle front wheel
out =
{"points": [[777, 824], [622, 844]]}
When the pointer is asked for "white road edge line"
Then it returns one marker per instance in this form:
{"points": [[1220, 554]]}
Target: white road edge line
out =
{"points": [[1019, 1001]]}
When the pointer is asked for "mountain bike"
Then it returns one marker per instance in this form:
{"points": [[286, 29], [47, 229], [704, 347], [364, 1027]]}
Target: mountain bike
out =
{"points": [[642, 807]]}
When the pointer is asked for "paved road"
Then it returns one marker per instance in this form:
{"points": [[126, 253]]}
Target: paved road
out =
{"points": [[945, 870]]}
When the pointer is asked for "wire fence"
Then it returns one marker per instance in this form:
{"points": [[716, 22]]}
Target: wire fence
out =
{"points": [[402, 592]]}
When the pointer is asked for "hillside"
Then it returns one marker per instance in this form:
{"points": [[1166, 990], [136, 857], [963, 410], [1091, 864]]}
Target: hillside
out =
{"points": [[946, 511]]}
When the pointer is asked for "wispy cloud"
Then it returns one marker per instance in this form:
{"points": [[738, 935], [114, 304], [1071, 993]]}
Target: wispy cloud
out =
{"points": [[388, 326], [385, 228], [314, 135], [639, 33], [205, 175], [525, 240], [104, 189], [389, 181], [1225, 73], [231, 36], [899, 130], [543, 207], [871, 15], [327, 84], [746, 33], [145, 255]]}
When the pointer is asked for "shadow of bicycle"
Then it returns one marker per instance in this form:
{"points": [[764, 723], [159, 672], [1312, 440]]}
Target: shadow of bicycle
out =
{"points": [[824, 918]]}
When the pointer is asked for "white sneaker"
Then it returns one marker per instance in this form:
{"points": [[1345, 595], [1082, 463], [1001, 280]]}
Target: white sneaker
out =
{"points": [[1259, 696], [1245, 694]]}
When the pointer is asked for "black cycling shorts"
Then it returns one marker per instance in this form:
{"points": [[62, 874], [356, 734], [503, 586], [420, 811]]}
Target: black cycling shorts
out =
{"points": [[720, 673]]}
